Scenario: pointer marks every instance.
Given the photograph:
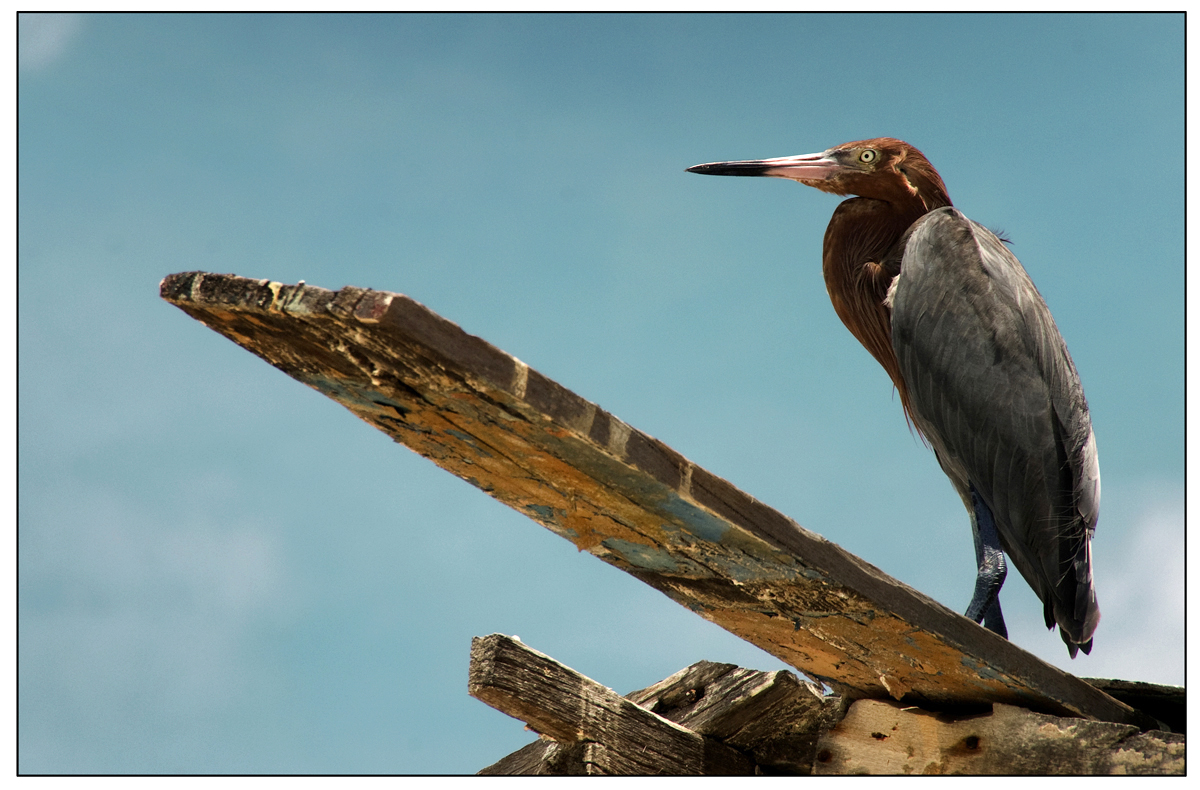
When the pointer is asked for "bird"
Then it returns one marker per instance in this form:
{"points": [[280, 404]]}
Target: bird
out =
{"points": [[983, 374]]}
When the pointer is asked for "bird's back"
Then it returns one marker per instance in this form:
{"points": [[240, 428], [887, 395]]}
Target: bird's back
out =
{"points": [[994, 390]]}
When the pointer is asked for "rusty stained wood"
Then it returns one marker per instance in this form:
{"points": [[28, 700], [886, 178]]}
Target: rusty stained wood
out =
{"points": [[885, 737], [613, 734], [627, 498]]}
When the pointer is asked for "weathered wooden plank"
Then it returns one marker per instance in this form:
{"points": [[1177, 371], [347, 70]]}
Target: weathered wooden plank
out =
{"points": [[884, 737], [773, 717], [628, 498], [557, 701]]}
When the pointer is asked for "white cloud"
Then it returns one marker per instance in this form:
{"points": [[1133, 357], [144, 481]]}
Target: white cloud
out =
{"points": [[43, 38], [1144, 595], [1140, 582]]}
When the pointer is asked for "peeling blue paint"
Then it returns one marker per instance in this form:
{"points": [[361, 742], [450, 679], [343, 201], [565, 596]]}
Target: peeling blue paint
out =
{"points": [[551, 519], [541, 512], [469, 439], [983, 670], [700, 523], [645, 557], [346, 393], [563, 532], [744, 569], [355, 397]]}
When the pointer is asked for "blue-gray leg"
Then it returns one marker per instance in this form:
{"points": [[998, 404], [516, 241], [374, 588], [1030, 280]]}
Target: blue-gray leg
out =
{"points": [[989, 560]]}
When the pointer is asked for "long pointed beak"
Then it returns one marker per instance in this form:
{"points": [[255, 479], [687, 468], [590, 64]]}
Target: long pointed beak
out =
{"points": [[806, 167]]}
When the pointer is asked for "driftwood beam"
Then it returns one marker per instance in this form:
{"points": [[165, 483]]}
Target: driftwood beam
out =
{"points": [[627, 498], [622, 737]]}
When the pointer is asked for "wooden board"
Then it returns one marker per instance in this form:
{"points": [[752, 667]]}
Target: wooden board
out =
{"points": [[627, 498], [622, 737], [884, 737]]}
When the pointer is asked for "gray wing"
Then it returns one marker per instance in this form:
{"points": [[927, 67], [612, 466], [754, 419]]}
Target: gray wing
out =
{"points": [[994, 390]]}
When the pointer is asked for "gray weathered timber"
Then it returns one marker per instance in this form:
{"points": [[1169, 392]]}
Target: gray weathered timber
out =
{"points": [[627, 498], [558, 702], [884, 737], [773, 717]]}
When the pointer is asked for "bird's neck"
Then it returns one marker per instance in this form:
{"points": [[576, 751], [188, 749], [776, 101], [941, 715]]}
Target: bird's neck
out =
{"points": [[862, 257]]}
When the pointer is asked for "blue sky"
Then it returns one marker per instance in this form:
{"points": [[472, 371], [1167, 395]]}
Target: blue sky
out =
{"points": [[223, 571]]}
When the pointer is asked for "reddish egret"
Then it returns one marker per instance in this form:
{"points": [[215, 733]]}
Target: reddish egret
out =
{"points": [[982, 372]]}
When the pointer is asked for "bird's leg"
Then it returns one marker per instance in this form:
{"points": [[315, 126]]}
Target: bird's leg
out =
{"points": [[993, 618], [989, 560]]}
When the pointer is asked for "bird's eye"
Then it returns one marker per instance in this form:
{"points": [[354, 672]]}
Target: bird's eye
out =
{"points": [[868, 156]]}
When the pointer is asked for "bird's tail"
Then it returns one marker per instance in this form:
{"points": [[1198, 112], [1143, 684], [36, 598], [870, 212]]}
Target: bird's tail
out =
{"points": [[1076, 616]]}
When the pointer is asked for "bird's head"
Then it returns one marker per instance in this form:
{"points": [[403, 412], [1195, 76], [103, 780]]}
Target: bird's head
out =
{"points": [[883, 168]]}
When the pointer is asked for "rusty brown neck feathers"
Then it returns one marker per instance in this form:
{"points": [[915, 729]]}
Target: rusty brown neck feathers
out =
{"points": [[862, 251]]}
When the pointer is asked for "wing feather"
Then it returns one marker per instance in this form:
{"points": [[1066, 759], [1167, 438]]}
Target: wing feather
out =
{"points": [[994, 390]]}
